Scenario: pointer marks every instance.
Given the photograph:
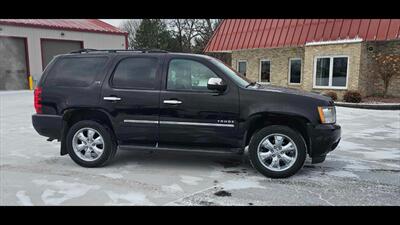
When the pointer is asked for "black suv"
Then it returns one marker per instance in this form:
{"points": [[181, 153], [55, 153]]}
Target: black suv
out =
{"points": [[95, 101]]}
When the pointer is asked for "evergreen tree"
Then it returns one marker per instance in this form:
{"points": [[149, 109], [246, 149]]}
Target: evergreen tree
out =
{"points": [[152, 33]]}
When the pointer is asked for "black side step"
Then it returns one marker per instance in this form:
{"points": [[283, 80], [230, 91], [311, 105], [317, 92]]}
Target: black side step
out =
{"points": [[234, 151]]}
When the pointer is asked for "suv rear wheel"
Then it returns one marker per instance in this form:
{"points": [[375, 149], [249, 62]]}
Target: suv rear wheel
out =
{"points": [[277, 151], [90, 144]]}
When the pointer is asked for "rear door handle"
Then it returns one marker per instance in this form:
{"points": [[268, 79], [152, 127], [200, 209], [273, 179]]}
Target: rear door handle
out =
{"points": [[172, 102], [112, 98]]}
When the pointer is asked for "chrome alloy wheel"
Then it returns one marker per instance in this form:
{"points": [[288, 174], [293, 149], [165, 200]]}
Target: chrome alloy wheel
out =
{"points": [[277, 152], [88, 144]]}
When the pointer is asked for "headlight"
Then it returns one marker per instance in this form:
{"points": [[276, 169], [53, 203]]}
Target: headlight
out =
{"points": [[327, 114]]}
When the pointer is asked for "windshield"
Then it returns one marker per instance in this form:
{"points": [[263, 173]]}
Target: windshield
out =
{"points": [[236, 77]]}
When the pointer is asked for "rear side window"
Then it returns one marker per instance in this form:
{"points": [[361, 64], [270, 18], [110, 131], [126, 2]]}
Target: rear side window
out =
{"points": [[76, 72], [136, 73]]}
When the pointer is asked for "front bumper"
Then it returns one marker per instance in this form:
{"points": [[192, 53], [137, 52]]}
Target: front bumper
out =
{"points": [[47, 125], [323, 138]]}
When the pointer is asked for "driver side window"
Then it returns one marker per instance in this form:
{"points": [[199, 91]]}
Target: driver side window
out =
{"points": [[186, 74]]}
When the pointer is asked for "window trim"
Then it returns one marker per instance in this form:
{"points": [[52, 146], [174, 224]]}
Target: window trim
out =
{"points": [[331, 57], [301, 71], [110, 80], [259, 70], [185, 90], [237, 65]]}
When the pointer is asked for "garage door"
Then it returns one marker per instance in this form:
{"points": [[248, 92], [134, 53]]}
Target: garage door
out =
{"points": [[51, 48], [13, 64]]}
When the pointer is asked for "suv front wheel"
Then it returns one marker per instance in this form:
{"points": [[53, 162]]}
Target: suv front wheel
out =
{"points": [[277, 151], [90, 144]]}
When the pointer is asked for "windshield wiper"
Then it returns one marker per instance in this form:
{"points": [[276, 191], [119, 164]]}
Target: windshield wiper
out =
{"points": [[251, 84]]}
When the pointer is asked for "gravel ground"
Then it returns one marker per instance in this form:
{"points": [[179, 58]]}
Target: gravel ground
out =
{"points": [[363, 170]]}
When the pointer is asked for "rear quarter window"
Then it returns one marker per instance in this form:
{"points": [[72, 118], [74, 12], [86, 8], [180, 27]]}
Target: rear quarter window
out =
{"points": [[75, 72], [136, 73]]}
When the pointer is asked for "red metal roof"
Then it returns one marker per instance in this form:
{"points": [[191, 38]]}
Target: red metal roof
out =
{"points": [[86, 25], [235, 34]]}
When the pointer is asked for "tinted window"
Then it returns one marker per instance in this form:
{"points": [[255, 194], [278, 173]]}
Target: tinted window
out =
{"points": [[136, 73], [265, 70], [339, 74], [76, 72], [322, 73], [242, 67], [295, 71], [331, 71], [184, 74]]}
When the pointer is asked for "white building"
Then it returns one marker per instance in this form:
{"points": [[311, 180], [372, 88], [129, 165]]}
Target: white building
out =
{"points": [[28, 45]]}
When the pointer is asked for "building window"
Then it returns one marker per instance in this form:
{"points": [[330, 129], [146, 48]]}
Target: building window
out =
{"points": [[331, 72], [265, 71], [294, 71], [242, 67]]}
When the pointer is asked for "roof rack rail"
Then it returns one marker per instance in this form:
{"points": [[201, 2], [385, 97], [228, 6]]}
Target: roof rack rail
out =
{"points": [[83, 50], [142, 50]]}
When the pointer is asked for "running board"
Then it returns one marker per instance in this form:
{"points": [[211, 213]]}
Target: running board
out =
{"points": [[180, 149]]}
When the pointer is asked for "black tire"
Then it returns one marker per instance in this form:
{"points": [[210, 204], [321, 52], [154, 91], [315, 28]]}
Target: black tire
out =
{"points": [[110, 146], [292, 134]]}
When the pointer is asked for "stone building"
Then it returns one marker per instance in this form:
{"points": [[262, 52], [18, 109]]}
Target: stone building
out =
{"points": [[318, 55]]}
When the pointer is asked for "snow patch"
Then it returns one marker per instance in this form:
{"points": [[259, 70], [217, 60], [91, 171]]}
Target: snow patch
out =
{"points": [[241, 184], [17, 154], [172, 188], [380, 133], [382, 153], [131, 198], [342, 173], [190, 180], [350, 146], [60, 191], [23, 199], [113, 175], [216, 173], [356, 166]]}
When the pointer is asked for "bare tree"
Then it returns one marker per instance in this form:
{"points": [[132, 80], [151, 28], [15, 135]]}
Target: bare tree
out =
{"points": [[389, 66], [185, 31], [206, 27], [131, 26], [177, 28]]}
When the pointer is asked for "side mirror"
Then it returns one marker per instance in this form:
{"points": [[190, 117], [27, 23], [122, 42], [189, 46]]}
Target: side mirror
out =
{"points": [[216, 84]]}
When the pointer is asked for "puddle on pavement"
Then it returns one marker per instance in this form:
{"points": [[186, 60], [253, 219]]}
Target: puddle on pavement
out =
{"points": [[223, 193]]}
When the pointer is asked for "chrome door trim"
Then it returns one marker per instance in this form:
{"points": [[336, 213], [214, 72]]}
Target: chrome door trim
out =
{"points": [[173, 102], [180, 123], [197, 124], [112, 98], [141, 121]]}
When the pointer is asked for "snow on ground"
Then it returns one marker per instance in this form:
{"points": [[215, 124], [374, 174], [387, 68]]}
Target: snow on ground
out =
{"points": [[363, 170]]}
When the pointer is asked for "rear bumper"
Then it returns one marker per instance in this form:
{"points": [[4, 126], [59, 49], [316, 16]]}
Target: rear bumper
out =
{"points": [[47, 125], [323, 139]]}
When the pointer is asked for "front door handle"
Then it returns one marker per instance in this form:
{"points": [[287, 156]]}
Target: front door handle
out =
{"points": [[172, 102], [112, 98]]}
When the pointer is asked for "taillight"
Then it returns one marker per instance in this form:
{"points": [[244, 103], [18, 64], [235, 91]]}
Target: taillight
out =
{"points": [[38, 99]]}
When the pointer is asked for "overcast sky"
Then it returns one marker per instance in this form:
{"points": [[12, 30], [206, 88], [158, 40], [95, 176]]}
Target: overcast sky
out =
{"points": [[114, 22]]}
